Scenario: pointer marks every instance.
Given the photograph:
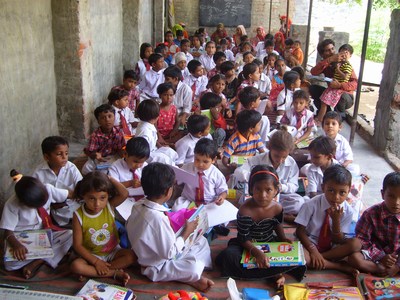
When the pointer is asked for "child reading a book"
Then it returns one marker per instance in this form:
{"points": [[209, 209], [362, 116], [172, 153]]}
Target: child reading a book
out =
{"points": [[154, 240], [378, 231], [29, 210], [60, 173], [323, 224], [212, 183], [95, 235], [259, 220]]}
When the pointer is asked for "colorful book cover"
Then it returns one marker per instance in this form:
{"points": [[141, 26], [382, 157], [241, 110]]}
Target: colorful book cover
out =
{"points": [[239, 159], [98, 290], [280, 254], [379, 288], [36, 241]]}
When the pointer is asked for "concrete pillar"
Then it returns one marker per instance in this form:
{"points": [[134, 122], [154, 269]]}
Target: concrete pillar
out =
{"points": [[387, 118]]}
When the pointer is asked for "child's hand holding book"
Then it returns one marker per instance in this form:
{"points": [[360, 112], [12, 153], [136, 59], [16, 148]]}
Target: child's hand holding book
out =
{"points": [[262, 260], [19, 251], [190, 227]]}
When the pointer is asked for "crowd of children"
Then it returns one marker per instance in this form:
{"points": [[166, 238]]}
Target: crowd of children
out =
{"points": [[188, 105]]}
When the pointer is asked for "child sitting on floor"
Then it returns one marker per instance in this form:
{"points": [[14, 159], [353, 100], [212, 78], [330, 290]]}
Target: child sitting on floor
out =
{"points": [[29, 210], [292, 82], [143, 64], [197, 81], [245, 141], [214, 188], [131, 79], [198, 127], [257, 221], [106, 142], [168, 121], [154, 240], [124, 118], [324, 221], [60, 173], [95, 233], [219, 58], [206, 59], [378, 231], [153, 77]]}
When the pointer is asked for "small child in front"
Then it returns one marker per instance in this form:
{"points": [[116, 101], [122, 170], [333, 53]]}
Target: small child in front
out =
{"points": [[214, 188], [29, 210], [94, 231], [106, 141], [60, 173], [124, 118], [257, 221], [324, 221], [378, 230], [154, 240]]}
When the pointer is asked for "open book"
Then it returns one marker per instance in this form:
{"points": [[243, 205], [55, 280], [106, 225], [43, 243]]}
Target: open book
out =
{"points": [[98, 290], [238, 159], [280, 254], [36, 241]]}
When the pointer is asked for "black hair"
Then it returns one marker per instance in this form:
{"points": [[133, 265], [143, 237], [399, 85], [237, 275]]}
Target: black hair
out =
{"points": [[31, 192], [245, 43], [164, 87], [197, 123], [173, 72], [156, 179], [148, 110], [94, 181], [217, 55], [143, 48], [102, 109], [290, 77], [302, 94], [154, 57], [209, 42], [138, 147], [289, 42], [185, 41], [265, 59], [168, 32], [50, 143], [247, 119], [206, 147], [158, 50], [116, 94], [268, 43], [193, 65], [215, 78], [248, 69], [300, 71], [346, 47], [257, 62], [281, 140], [179, 32], [269, 37], [247, 53], [280, 58], [209, 100], [392, 179], [223, 41], [338, 174], [226, 66], [244, 39], [264, 172], [332, 115], [131, 74], [297, 41], [248, 95], [321, 45], [323, 145]]}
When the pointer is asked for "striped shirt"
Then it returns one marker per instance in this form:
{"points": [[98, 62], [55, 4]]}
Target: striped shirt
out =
{"points": [[249, 230], [239, 145], [345, 68]]}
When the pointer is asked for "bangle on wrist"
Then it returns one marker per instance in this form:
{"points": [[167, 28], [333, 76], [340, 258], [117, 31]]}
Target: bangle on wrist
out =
{"points": [[95, 262], [312, 247]]}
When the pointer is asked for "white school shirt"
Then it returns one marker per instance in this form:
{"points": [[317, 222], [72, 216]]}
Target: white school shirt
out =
{"points": [[142, 69], [229, 55], [291, 115], [185, 73], [200, 50], [315, 177], [183, 98], [281, 103], [19, 217], [312, 216], [264, 84], [207, 61], [185, 148], [149, 132], [189, 57], [67, 178], [343, 149], [152, 80], [288, 171], [214, 183], [201, 83], [129, 117]]}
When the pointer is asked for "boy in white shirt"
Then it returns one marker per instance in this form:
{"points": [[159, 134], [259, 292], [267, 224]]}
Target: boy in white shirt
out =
{"points": [[154, 241], [60, 173], [29, 210], [185, 47], [153, 77], [224, 48], [198, 127], [207, 59], [180, 60], [212, 183], [124, 118], [197, 81]]}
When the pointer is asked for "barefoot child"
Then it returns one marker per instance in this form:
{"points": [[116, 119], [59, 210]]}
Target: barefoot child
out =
{"points": [[153, 239], [257, 221], [95, 234], [29, 210], [324, 221], [378, 231]]}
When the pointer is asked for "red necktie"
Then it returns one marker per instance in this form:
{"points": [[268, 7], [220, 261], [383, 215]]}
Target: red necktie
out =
{"points": [[199, 199], [299, 116], [134, 178], [124, 124], [147, 64], [325, 238], [46, 220], [193, 90]]}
